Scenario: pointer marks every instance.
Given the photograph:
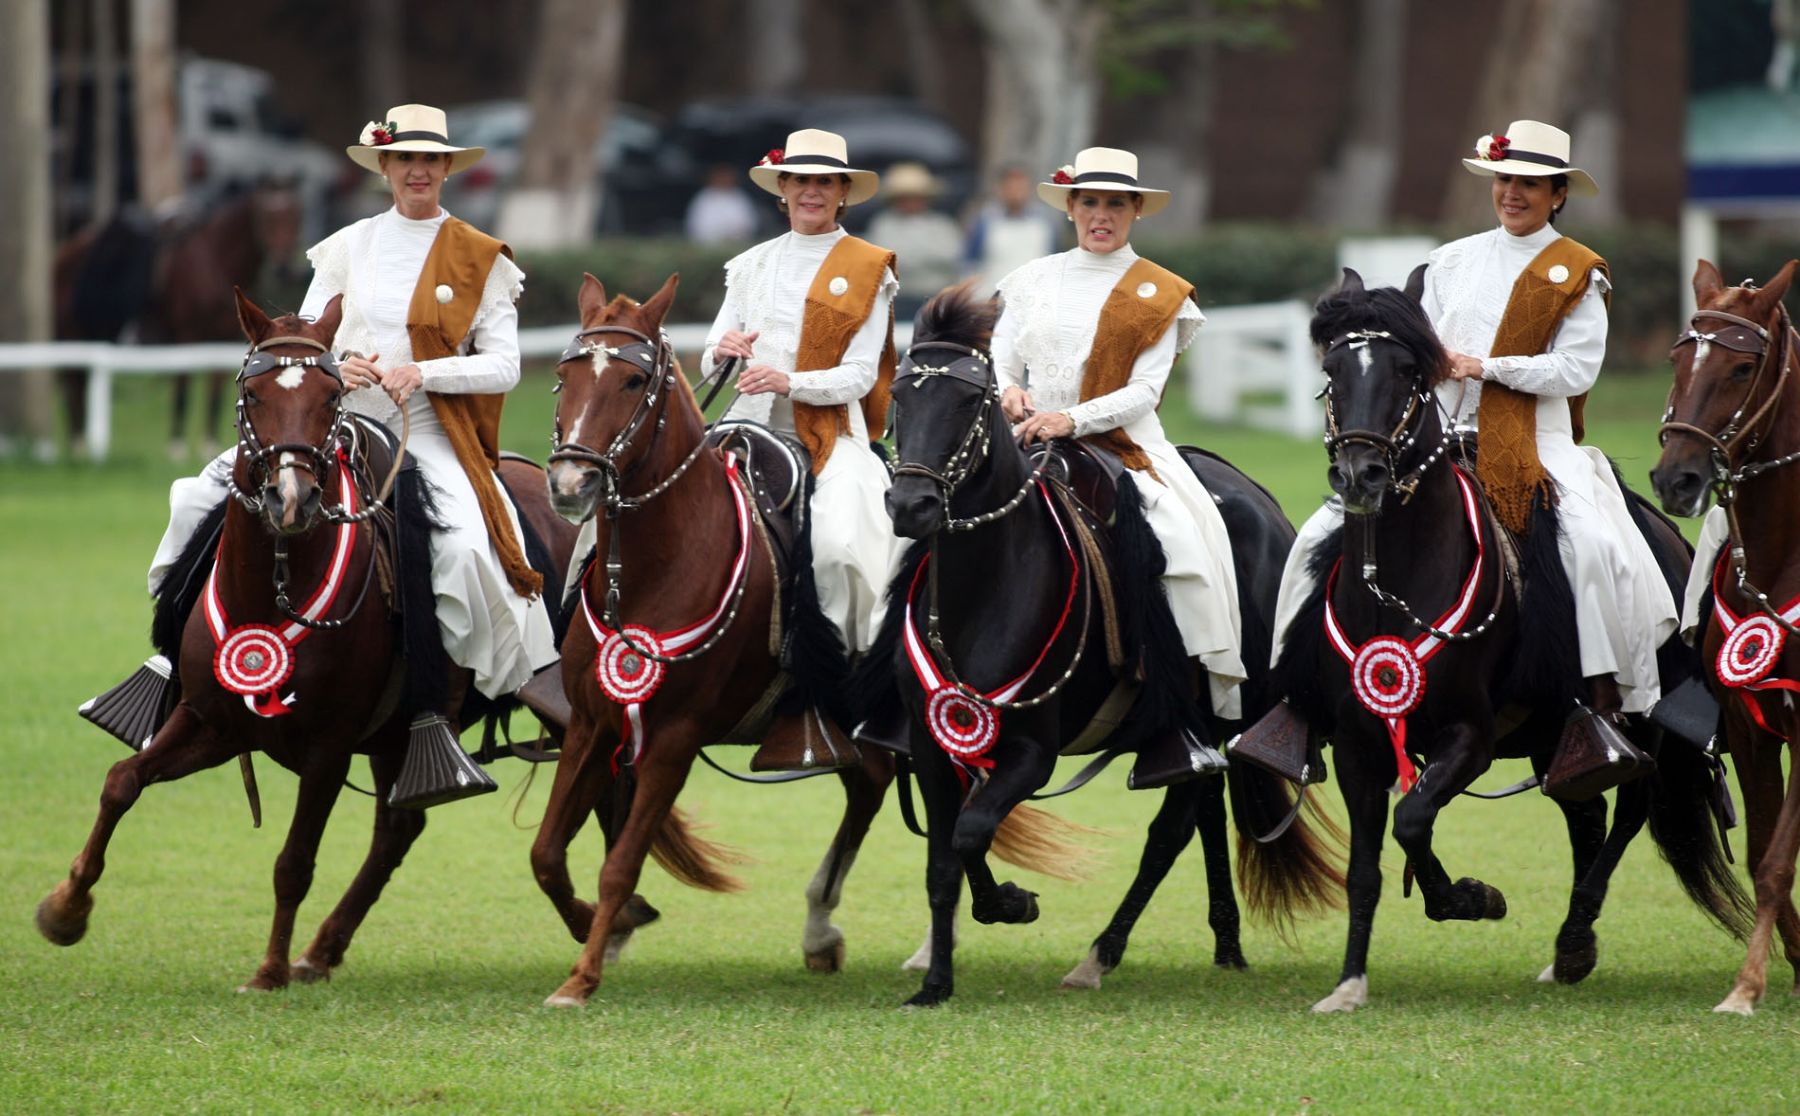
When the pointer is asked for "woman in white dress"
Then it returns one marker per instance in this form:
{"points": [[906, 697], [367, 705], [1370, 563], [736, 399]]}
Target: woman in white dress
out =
{"points": [[1083, 348]]}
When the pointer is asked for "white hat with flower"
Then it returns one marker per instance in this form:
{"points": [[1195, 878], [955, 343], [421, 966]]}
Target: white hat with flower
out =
{"points": [[1533, 149], [1100, 168], [812, 151], [410, 128]]}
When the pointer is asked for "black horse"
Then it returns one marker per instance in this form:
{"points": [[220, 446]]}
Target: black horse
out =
{"points": [[1417, 546], [1014, 579]]}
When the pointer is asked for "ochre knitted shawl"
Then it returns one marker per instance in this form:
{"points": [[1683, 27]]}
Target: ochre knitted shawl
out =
{"points": [[1508, 463], [828, 324], [460, 259]]}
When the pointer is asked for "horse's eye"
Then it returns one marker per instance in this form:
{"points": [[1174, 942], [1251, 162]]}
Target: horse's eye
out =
{"points": [[249, 396], [635, 381], [1741, 371]]}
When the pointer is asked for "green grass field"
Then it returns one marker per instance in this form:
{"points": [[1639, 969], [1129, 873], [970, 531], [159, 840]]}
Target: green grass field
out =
{"points": [[711, 1010]]}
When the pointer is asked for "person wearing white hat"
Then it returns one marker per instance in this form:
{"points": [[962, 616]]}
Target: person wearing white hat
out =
{"points": [[427, 351], [1083, 348], [1522, 310], [933, 241], [808, 316]]}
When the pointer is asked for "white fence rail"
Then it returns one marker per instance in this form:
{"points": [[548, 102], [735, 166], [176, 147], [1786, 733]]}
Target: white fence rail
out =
{"points": [[1246, 354]]}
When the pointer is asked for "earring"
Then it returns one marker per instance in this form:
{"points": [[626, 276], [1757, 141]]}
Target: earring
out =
{"points": [[1071, 217]]}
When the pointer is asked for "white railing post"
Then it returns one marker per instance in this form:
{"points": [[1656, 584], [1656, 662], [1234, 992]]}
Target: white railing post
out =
{"points": [[99, 411]]}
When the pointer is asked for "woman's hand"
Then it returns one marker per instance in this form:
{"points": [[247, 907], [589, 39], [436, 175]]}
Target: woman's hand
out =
{"points": [[1016, 404], [360, 371], [1042, 428], [401, 382], [760, 379], [735, 343], [1464, 367]]}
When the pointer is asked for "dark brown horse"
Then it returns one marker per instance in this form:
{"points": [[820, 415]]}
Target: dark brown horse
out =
{"points": [[1731, 428], [688, 561], [313, 681], [172, 281]]}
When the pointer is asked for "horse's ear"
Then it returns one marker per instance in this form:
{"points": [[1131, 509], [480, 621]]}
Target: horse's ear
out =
{"points": [[1707, 283], [591, 300], [1776, 289], [330, 318], [251, 319], [1415, 283], [1352, 282], [657, 308]]}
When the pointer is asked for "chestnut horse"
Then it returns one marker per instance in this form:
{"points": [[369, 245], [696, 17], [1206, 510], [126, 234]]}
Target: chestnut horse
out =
{"points": [[348, 690], [686, 550], [1731, 427]]}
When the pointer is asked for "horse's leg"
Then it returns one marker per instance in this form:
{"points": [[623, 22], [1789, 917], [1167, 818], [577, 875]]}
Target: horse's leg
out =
{"points": [[395, 831], [865, 786], [178, 411], [1364, 777], [1774, 875], [1221, 897], [1577, 947], [1026, 769], [942, 792], [661, 772], [1170, 831], [1457, 761], [215, 406], [320, 781], [581, 779], [185, 744]]}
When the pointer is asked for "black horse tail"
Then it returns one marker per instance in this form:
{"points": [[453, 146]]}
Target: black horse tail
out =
{"points": [[1298, 873], [1681, 821]]}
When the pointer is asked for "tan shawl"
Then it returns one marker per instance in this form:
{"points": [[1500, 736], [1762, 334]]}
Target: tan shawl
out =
{"points": [[1140, 308], [827, 326]]}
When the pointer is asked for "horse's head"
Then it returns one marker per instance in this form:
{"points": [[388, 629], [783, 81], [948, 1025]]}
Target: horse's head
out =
{"points": [[613, 382], [289, 414], [275, 212], [1731, 368], [945, 409], [1381, 361]]}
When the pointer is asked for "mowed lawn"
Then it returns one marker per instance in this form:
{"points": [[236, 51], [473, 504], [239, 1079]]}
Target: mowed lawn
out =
{"points": [[438, 1007]]}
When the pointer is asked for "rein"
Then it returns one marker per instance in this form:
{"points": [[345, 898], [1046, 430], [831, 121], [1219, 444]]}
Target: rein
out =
{"points": [[975, 368]]}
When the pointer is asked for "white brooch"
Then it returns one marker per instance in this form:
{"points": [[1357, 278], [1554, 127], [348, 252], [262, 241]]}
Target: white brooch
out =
{"points": [[444, 294], [1558, 274], [838, 286], [1146, 290]]}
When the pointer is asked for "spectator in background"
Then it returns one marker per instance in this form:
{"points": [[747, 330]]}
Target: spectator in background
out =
{"points": [[931, 241], [1008, 233], [721, 212]]}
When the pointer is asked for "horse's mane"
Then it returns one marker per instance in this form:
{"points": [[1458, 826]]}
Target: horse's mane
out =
{"points": [[1383, 308], [957, 316]]}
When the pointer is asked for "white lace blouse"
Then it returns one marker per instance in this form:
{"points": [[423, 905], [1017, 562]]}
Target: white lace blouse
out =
{"points": [[765, 293], [1467, 287], [1046, 330], [375, 264]]}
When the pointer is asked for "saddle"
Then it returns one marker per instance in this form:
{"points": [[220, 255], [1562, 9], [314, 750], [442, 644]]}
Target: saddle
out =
{"points": [[1090, 473]]}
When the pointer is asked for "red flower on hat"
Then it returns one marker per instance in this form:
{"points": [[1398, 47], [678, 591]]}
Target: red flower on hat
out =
{"points": [[1062, 177], [376, 134], [1497, 146], [773, 158]]}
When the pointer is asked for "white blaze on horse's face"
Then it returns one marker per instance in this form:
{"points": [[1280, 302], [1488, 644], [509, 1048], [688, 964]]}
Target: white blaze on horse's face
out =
{"points": [[1365, 357], [1701, 348], [288, 484], [292, 377]]}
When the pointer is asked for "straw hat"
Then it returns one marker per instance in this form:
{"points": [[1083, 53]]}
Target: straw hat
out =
{"points": [[912, 180], [1532, 149], [1101, 168], [410, 128], [811, 151]]}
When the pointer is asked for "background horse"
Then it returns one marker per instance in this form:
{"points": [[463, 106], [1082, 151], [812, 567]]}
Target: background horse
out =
{"points": [[1500, 687], [677, 512], [1730, 428], [297, 482], [171, 279], [1002, 584]]}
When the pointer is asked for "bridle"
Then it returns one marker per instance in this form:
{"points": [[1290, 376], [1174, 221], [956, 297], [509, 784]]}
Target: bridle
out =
{"points": [[1395, 443], [976, 369]]}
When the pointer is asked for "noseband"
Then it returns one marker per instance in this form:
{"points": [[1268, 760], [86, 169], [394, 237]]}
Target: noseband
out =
{"points": [[315, 459], [976, 369], [1395, 443]]}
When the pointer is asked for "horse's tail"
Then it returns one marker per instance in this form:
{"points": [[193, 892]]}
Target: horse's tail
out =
{"points": [[1039, 841], [691, 858], [1298, 873], [1681, 821]]}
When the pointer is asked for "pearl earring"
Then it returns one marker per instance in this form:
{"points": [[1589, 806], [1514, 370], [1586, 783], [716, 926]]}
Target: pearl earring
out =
{"points": [[1071, 217]]}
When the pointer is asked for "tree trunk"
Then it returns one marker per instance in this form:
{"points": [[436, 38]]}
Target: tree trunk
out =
{"points": [[1597, 125], [924, 57], [27, 416], [574, 85], [1534, 70], [382, 62], [159, 154], [1357, 190], [1180, 154], [775, 46], [1043, 81], [104, 17]]}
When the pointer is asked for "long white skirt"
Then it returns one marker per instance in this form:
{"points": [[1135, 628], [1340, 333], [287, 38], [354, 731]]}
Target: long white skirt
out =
{"points": [[1200, 580], [486, 626], [1623, 609], [1715, 532]]}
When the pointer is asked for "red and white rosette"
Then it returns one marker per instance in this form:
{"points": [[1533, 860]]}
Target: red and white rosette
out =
{"points": [[626, 674], [252, 660], [961, 725], [1750, 651], [1387, 677]]}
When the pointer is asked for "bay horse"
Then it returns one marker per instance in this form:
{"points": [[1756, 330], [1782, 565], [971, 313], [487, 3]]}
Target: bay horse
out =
{"points": [[1417, 580], [995, 580], [1731, 427], [170, 279], [681, 611], [308, 684]]}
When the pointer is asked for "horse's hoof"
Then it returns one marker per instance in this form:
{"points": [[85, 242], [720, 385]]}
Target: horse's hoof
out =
{"points": [[263, 982], [1740, 1002], [1572, 966], [637, 912], [1010, 903], [1087, 974], [63, 920], [927, 997], [559, 1000], [1474, 900], [1496, 903], [1346, 997], [827, 959], [1548, 976], [308, 971], [1232, 958]]}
